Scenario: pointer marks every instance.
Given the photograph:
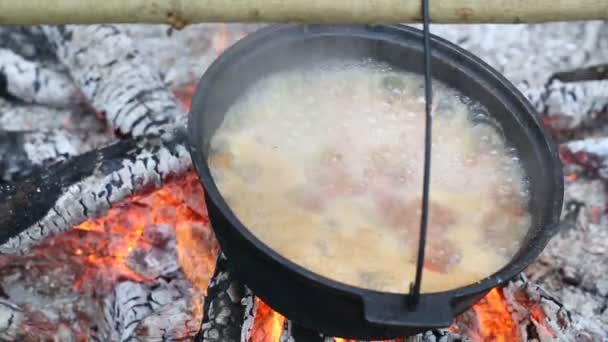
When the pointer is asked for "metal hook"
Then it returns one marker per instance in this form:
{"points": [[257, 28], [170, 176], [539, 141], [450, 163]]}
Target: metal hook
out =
{"points": [[414, 293]]}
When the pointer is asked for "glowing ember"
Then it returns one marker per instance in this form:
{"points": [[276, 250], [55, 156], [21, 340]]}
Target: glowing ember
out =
{"points": [[103, 251], [494, 319], [338, 339], [197, 248], [493, 323], [267, 324], [100, 252], [184, 95]]}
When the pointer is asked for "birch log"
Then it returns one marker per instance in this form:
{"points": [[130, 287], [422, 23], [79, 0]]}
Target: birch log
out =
{"points": [[180, 12]]}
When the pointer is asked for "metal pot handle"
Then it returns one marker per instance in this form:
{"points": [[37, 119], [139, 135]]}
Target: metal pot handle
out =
{"points": [[432, 311]]}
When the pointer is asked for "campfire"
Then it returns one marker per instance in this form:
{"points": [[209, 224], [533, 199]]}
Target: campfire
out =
{"points": [[111, 242], [162, 240]]}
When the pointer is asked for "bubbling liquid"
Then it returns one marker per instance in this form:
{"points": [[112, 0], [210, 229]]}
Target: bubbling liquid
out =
{"points": [[324, 165]]}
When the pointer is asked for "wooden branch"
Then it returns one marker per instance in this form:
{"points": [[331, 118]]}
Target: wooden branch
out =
{"points": [[180, 13]]}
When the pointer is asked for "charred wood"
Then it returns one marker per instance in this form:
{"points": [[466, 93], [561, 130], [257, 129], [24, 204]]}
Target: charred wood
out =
{"points": [[30, 117], [303, 334], [23, 149], [115, 78], [573, 266], [532, 314], [569, 106], [223, 309], [86, 186], [531, 52], [136, 311], [591, 73], [52, 295], [30, 43], [11, 316], [24, 152], [590, 155], [31, 82]]}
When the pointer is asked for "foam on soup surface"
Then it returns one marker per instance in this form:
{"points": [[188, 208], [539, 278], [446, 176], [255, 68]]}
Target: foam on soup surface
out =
{"points": [[324, 165]]}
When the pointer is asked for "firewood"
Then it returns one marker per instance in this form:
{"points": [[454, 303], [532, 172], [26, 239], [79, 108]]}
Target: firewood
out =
{"points": [[33, 136], [31, 82], [129, 310], [24, 152], [164, 306], [28, 42], [573, 266], [224, 306], [591, 154], [183, 12], [19, 116], [567, 106], [115, 78], [86, 186]]}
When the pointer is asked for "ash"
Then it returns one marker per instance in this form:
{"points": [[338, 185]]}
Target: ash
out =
{"points": [[116, 278], [92, 284]]}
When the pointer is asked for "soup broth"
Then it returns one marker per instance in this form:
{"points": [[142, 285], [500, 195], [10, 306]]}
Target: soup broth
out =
{"points": [[324, 165]]}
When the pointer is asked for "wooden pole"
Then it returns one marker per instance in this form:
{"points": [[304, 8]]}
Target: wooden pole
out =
{"points": [[182, 12]]}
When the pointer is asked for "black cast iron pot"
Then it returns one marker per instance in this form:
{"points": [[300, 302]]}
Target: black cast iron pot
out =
{"points": [[320, 303]]}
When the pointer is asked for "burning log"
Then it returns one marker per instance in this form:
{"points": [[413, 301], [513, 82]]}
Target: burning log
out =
{"points": [[32, 83], [134, 310], [16, 116], [86, 186], [590, 155], [531, 53], [572, 267], [519, 311], [568, 106], [21, 153], [550, 59], [70, 192], [118, 84], [26, 41], [224, 306], [23, 149], [115, 78], [124, 275], [592, 73]]}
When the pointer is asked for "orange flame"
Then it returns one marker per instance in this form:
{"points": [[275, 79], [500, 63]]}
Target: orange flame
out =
{"points": [[573, 177], [495, 321], [184, 95], [105, 245], [267, 324]]}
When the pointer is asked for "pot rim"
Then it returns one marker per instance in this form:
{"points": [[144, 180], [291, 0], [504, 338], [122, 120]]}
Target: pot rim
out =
{"points": [[389, 32]]}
